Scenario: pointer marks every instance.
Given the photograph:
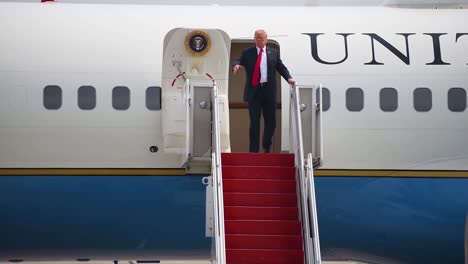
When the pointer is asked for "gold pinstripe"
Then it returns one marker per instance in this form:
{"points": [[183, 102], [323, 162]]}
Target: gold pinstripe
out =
{"points": [[393, 173], [116, 172], [181, 171]]}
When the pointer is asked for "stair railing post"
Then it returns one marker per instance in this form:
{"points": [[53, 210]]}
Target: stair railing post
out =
{"points": [[218, 202], [318, 132], [317, 138]]}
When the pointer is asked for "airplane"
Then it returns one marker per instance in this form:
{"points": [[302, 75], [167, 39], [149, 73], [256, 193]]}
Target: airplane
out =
{"points": [[92, 143]]}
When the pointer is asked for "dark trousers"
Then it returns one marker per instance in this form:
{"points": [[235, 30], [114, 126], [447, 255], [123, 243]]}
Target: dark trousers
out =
{"points": [[262, 102]]}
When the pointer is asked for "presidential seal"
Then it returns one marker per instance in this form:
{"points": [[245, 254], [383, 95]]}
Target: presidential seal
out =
{"points": [[197, 43]]}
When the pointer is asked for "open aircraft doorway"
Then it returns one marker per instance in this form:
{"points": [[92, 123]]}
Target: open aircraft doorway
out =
{"points": [[239, 110], [194, 60]]}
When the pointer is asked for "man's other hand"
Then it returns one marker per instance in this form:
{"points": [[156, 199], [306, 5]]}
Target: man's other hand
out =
{"points": [[291, 81]]}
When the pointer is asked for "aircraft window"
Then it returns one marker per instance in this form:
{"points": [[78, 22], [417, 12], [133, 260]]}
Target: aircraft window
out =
{"points": [[325, 100], [121, 98], [87, 97], [153, 98], [388, 99], [52, 97], [354, 99], [422, 99], [457, 99]]}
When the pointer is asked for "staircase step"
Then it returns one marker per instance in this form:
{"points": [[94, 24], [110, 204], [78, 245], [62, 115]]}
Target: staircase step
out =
{"points": [[264, 256], [260, 209], [260, 199], [237, 241], [260, 213], [259, 186], [257, 159], [263, 227], [258, 172]]}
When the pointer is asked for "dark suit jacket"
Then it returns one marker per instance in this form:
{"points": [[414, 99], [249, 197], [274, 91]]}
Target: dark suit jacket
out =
{"points": [[249, 58]]}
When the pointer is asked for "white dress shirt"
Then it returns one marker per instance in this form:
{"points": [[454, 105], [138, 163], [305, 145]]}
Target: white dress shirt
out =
{"points": [[263, 66]]}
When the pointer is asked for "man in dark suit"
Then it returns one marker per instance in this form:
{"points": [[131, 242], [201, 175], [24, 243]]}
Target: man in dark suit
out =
{"points": [[261, 63]]}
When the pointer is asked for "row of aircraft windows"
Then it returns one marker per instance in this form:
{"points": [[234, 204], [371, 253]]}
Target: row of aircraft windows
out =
{"points": [[87, 97], [422, 99]]}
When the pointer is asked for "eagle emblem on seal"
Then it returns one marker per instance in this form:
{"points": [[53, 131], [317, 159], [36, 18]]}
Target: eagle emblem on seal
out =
{"points": [[197, 43]]}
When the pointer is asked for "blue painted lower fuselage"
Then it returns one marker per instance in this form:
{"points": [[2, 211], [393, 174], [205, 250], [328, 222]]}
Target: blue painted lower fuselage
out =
{"points": [[412, 220]]}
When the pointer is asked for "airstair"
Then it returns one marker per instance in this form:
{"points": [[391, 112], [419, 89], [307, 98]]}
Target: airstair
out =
{"points": [[261, 208]]}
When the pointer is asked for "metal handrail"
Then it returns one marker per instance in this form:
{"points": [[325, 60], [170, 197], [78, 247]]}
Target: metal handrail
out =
{"points": [[296, 141], [313, 208], [218, 201], [297, 138]]}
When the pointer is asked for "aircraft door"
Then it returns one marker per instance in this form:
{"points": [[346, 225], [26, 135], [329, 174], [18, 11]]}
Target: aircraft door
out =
{"points": [[193, 60]]}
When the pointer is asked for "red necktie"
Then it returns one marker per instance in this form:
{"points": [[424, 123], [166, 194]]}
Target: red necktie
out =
{"points": [[256, 73]]}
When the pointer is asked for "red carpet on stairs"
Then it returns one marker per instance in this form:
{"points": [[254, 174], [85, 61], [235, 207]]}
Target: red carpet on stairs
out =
{"points": [[260, 209]]}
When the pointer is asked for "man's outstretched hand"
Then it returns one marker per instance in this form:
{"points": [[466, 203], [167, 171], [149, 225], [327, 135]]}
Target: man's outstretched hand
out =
{"points": [[236, 68]]}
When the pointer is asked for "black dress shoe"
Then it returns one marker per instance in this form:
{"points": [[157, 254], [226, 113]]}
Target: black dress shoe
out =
{"points": [[267, 150]]}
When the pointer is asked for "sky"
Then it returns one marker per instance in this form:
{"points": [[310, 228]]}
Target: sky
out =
{"points": [[268, 2]]}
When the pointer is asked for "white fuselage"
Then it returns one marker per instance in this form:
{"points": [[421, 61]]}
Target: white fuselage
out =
{"points": [[72, 45]]}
